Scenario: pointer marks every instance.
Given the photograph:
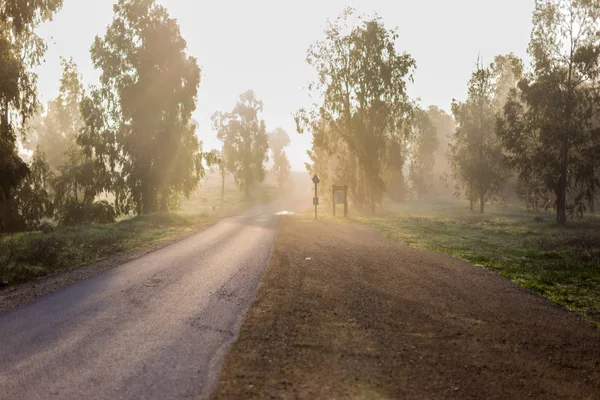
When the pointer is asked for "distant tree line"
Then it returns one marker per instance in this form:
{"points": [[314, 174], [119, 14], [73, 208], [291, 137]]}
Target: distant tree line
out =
{"points": [[535, 126], [127, 145]]}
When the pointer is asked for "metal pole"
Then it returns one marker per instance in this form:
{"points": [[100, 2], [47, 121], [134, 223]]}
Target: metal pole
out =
{"points": [[315, 198]]}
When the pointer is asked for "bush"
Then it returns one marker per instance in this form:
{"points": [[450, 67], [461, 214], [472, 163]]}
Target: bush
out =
{"points": [[13, 223], [46, 227], [74, 213], [103, 212]]}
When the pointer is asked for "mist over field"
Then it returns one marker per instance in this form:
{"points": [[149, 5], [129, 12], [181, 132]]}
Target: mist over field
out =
{"points": [[260, 199]]}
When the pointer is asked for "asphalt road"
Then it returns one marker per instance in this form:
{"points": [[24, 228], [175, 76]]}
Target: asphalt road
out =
{"points": [[154, 328]]}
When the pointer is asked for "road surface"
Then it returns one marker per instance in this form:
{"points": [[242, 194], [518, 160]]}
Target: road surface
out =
{"points": [[154, 328]]}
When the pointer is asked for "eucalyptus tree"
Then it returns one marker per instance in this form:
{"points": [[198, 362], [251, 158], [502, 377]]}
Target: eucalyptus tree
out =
{"points": [[444, 126], [55, 133], [550, 125], [138, 124], [476, 154], [33, 197], [245, 141], [361, 79], [20, 50], [278, 141], [424, 142]]}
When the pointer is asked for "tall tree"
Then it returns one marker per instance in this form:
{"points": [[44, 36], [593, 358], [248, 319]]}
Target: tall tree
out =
{"points": [[245, 141], [424, 142], [56, 131], [33, 198], [20, 49], [362, 83], [476, 154], [444, 127], [278, 141], [548, 124], [138, 123]]}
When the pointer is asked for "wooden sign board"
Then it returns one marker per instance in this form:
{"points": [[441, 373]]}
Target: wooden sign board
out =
{"points": [[340, 196]]}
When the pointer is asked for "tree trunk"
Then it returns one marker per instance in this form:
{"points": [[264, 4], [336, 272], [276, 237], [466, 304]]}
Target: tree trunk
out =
{"points": [[372, 205], [164, 203], [470, 194], [481, 203], [3, 213], [222, 187], [147, 198], [353, 179], [561, 198]]}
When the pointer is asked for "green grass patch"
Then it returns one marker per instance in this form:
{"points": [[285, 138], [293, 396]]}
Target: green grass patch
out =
{"points": [[26, 256], [561, 264]]}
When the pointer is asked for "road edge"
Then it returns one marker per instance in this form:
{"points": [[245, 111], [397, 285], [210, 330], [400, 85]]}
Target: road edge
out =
{"points": [[30, 291]]}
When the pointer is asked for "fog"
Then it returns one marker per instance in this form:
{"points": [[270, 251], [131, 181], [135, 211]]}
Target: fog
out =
{"points": [[261, 45]]}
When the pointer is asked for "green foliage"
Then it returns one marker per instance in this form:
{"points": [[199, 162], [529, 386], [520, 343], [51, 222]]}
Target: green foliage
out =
{"points": [[424, 142], [20, 49], [245, 141], [76, 180], [56, 132], [12, 172], [33, 198], [138, 126], [73, 213], [550, 125], [444, 126], [476, 154], [361, 80], [278, 141]]}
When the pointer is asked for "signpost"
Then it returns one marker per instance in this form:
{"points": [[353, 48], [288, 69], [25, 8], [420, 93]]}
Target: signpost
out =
{"points": [[316, 181], [340, 196]]}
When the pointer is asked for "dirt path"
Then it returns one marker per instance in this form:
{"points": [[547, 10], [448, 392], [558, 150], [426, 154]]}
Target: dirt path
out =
{"points": [[369, 318]]}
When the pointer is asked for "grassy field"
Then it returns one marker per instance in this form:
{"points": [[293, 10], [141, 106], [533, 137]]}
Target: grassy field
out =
{"points": [[25, 256], [561, 264]]}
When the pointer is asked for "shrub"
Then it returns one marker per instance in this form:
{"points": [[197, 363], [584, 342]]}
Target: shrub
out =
{"points": [[74, 213]]}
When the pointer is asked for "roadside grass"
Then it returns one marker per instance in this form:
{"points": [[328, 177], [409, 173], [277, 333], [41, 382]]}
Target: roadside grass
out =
{"points": [[561, 264], [25, 256]]}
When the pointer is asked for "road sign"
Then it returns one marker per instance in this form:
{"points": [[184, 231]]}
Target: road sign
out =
{"points": [[315, 201], [316, 179]]}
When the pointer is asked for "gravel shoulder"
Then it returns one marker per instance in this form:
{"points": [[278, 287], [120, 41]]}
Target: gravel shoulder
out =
{"points": [[366, 317]]}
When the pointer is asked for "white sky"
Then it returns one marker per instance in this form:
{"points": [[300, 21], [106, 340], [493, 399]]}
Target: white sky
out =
{"points": [[261, 45]]}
